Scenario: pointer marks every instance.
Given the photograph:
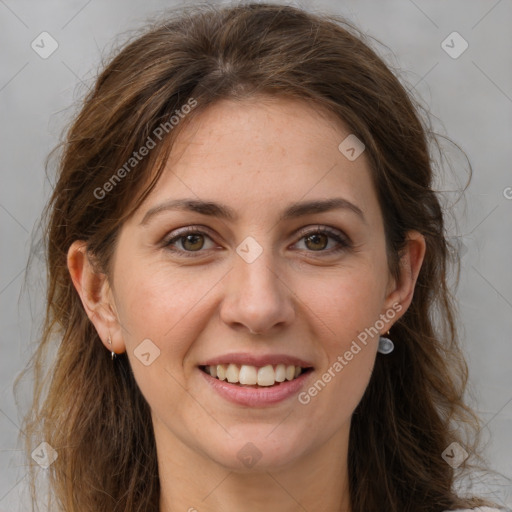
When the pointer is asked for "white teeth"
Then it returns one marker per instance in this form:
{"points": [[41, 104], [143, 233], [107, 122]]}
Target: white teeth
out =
{"points": [[280, 373], [232, 373], [251, 375], [266, 376], [248, 375], [221, 371], [290, 372]]}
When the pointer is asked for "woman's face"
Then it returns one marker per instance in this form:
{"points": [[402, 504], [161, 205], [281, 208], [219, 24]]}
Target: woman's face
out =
{"points": [[184, 302]]}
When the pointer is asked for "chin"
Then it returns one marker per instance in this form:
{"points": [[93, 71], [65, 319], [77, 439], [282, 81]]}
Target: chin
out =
{"points": [[259, 449]]}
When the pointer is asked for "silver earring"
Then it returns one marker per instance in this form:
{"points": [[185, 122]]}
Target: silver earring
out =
{"points": [[113, 354], [386, 346]]}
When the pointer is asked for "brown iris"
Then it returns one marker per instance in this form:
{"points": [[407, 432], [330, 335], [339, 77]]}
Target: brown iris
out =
{"points": [[191, 238], [315, 237]]}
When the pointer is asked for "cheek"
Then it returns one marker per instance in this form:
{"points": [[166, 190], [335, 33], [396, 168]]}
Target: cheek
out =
{"points": [[162, 305], [346, 306], [342, 386], [162, 308], [347, 301], [344, 310]]}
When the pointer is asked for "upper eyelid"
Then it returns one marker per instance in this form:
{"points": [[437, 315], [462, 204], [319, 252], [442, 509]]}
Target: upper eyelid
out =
{"points": [[301, 233]]}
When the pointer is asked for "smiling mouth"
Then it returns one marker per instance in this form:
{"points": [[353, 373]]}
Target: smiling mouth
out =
{"points": [[254, 376]]}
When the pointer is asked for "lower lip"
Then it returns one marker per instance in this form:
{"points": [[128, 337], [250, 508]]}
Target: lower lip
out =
{"points": [[256, 397]]}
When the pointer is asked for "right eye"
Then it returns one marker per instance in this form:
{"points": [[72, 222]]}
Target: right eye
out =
{"points": [[191, 240]]}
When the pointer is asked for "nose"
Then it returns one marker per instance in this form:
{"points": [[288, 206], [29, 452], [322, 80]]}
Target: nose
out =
{"points": [[257, 297]]}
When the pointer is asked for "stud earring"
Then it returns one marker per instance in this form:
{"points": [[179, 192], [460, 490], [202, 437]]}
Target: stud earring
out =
{"points": [[386, 346], [113, 354]]}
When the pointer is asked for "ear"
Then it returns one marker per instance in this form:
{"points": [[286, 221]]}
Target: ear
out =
{"points": [[399, 294], [96, 295]]}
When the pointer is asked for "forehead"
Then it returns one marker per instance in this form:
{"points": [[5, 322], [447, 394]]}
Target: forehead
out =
{"points": [[260, 153]]}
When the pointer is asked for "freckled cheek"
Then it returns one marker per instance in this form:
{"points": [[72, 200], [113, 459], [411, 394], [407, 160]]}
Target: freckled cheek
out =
{"points": [[163, 310], [145, 306], [348, 304]]}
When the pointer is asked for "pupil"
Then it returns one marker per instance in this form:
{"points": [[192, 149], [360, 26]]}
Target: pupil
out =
{"points": [[189, 237], [315, 237]]}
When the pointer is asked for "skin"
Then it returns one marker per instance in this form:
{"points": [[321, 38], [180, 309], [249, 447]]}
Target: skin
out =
{"points": [[257, 157]]}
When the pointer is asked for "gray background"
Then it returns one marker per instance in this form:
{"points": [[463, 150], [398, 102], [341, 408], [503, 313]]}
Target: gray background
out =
{"points": [[470, 98]]}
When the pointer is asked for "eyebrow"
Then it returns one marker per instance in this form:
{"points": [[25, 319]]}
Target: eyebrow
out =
{"points": [[225, 212]]}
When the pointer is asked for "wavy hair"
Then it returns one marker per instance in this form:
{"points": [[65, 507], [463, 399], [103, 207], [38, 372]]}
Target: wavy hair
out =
{"points": [[92, 411]]}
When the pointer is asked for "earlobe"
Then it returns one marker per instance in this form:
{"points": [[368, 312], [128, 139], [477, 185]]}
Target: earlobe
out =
{"points": [[94, 291]]}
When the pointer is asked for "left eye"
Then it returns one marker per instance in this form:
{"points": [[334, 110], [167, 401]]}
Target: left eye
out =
{"points": [[321, 236], [192, 241]]}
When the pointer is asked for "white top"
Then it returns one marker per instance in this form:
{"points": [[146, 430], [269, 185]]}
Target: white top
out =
{"points": [[478, 509]]}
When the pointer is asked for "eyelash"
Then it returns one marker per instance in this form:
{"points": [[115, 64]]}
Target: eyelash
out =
{"points": [[343, 241]]}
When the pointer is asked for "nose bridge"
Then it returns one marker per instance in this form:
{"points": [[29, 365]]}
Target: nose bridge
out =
{"points": [[254, 267], [256, 296], [259, 275]]}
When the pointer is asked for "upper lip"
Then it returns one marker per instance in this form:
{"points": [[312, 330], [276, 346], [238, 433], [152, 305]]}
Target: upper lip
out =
{"points": [[257, 360]]}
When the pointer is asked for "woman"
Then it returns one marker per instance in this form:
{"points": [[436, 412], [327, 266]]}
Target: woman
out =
{"points": [[245, 258]]}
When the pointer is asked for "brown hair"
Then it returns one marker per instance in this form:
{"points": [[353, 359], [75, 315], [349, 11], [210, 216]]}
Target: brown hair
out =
{"points": [[92, 412]]}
